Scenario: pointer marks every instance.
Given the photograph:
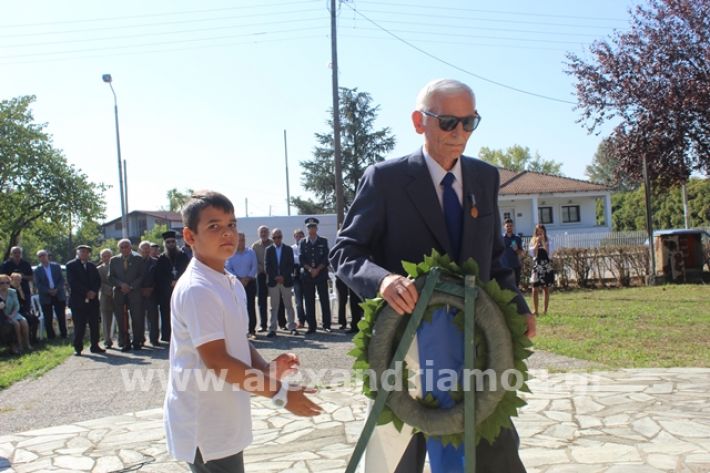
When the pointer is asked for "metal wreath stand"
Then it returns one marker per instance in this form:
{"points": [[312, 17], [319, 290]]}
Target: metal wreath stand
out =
{"points": [[479, 310]]}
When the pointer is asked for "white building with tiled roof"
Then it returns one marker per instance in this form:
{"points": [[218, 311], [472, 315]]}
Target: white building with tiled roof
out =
{"points": [[562, 204], [141, 220]]}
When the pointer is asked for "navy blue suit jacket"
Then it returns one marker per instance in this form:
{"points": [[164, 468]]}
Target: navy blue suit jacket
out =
{"points": [[274, 269], [396, 216]]}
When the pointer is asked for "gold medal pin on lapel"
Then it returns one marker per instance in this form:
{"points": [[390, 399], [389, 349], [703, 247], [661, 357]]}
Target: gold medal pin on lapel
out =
{"points": [[474, 209]]}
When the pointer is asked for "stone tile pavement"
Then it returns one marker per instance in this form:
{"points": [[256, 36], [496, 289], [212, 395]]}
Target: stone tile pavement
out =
{"points": [[626, 421]]}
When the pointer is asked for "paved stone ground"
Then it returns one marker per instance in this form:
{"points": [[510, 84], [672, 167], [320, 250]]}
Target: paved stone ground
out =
{"points": [[92, 386], [625, 421]]}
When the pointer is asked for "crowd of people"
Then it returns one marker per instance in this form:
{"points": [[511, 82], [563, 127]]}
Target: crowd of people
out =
{"points": [[125, 296]]}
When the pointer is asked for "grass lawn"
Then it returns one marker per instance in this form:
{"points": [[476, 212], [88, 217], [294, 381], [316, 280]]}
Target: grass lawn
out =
{"points": [[45, 356], [662, 326]]}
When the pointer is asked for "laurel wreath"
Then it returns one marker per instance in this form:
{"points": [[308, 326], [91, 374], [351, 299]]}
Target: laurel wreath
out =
{"points": [[487, 428]]}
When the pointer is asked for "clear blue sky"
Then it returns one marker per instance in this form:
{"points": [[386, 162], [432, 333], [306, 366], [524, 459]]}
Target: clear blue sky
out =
{"points": [[205, 89]]}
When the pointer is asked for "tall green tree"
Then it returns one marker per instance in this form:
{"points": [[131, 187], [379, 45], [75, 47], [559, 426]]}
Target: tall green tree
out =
{"points": [[653, 81], [37, 184], [628, 208], [361, 145], [518, 158], [177, 198], [605, 169]]}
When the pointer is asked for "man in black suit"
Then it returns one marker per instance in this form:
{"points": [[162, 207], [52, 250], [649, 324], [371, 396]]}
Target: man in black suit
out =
{"points": [[84, 284], [170, 266], [279, 263], [435, 198]]}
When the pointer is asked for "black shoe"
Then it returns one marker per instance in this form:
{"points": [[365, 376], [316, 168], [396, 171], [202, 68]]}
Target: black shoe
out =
{"points": [[251, 336], [294, 332], [77, 352], [353, 330], [262, 329], [343, 327], [155, 343], [310, 331], [97, 349], [327, 329], [126, 348], [271, 334], [282, 327], [137, 347]]}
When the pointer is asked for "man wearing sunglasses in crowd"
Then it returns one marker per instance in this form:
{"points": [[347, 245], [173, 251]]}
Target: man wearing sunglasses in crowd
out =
{"points": [[435, 198]]}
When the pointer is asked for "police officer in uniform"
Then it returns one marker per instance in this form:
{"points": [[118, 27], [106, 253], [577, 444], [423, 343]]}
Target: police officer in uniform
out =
{"points": [[314, 275]]}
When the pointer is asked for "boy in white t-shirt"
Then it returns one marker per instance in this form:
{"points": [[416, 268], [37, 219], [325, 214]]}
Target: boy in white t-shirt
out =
{"points": [[213, 367]]}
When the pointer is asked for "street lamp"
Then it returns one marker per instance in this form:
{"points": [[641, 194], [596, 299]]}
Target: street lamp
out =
{"points": [[124, 218]]}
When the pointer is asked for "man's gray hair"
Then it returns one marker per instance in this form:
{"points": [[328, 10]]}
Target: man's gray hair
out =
{"points": [[262, 227], [16, 248], [106, 250], [145, 242], [124, 240], [440, 86]]}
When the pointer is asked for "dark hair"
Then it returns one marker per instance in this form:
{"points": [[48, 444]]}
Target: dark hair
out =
{"points": [[198, 202], [508, 220]]}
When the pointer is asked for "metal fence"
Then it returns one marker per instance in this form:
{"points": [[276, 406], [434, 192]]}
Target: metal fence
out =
{"points": [[596, 239]]}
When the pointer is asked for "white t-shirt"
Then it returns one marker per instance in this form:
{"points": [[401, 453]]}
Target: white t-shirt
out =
{"points": [[206, 305]]}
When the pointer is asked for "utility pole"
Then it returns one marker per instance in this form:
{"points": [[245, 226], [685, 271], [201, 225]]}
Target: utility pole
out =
{"points": [[337, 155], [288, 190], [125, 190], [246, 206], [649, 224]]}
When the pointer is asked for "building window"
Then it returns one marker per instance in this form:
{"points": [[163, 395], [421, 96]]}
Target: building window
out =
{"points": [[544, 215], [142, 225], [118, 226], [570, 213], [507, 215]]}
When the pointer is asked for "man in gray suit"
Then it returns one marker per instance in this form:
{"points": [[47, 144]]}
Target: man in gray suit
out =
{"points": [[125, 271], [49, 281], [106, 298], [435, 198]]}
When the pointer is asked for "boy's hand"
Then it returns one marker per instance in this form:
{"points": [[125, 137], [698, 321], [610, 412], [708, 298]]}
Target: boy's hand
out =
{"points": [[284, 365], [299, 404]]}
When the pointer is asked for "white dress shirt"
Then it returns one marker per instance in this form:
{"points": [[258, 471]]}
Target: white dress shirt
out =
{"points": [[437, 174]]}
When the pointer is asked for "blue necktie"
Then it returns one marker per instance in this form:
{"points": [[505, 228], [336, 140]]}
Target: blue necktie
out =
{"points": [[453, 214]]}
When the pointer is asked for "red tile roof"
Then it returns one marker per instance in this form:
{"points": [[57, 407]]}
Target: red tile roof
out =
{"points": [[529, 182]]}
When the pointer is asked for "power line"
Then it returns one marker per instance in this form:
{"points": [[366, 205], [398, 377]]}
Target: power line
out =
{"points": [[123, 27], [159, 43], [162, 14], [485, 28], [461, 35], [162, 33], [438, 59], [164, 50], [489, 20], [506, 12], [457, 43]]}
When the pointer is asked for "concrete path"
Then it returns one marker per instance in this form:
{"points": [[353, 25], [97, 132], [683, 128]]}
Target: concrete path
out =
{"points": [[628, 421], [81, 417]]}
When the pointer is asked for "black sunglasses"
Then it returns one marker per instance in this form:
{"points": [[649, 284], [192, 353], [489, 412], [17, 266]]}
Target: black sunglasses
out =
{"points": [[449, 122]]}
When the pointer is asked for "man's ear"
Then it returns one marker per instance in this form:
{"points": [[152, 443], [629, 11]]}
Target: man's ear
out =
{"points": [[188, 235], [418, 121]]}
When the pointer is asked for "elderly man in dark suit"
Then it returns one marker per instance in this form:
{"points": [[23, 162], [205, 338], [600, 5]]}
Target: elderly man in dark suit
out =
{"points": [[49, 282], [435, 198], [84, 285], [278, 263], [125, 271]]}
